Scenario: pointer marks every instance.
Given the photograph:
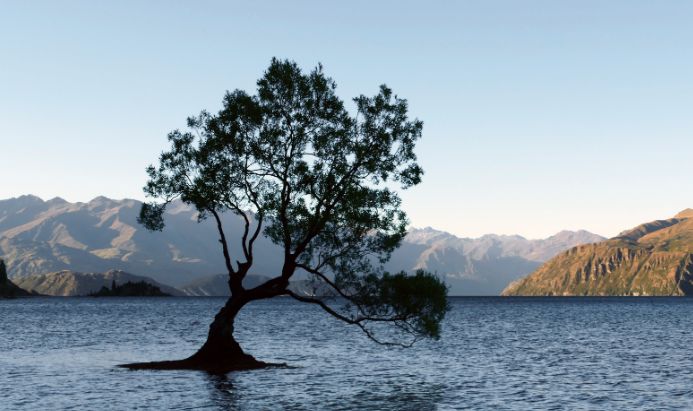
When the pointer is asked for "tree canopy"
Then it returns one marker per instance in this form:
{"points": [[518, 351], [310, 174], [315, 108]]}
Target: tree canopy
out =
{"points": [[318, 179]]}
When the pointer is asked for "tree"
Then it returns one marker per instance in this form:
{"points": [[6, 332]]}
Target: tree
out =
{"points": [[298, 168]]}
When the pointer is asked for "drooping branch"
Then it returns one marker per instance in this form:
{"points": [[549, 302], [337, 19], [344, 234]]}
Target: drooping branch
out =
{"points": [[359, 321], [325, 279]]}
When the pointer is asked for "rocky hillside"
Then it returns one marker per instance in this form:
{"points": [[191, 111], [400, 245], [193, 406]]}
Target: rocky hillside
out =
{"points": [[38, 237], [69, 283], [655, 258]]}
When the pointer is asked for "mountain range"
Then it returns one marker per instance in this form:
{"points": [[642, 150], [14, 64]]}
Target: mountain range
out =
{"points": [[70, 283], [39, 237], [652, 259], [484, 265]]}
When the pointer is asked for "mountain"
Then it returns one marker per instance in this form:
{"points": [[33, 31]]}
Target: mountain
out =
{"points": [[38, 237], [484, 265], [69, 283], [654, 258]]}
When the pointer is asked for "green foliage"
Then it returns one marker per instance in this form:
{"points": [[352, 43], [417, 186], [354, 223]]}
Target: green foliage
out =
{"points": [[318, 179], [416, 303], [152, 216], [293, 155]]}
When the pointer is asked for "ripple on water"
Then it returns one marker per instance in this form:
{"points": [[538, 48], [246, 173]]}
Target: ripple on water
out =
{"points": [[496, 353]]}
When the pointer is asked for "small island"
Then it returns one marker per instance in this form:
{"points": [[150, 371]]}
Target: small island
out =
{"points": [[130, 289]]}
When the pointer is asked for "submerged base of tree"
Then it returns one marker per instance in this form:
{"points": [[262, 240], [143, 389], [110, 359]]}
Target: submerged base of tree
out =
{"points": [[218, 355], [220, 366]]}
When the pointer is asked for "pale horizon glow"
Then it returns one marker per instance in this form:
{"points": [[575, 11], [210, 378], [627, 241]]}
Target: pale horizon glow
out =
{"points": [[539, 116]]}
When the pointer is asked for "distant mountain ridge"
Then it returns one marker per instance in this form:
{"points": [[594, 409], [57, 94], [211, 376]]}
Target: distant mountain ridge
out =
{"points": [[652, 259], [484, 265], [71, 284], [38, 237]]}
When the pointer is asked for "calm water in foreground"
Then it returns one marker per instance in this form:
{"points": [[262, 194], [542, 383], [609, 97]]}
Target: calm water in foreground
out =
{"points": [[496, 353]]}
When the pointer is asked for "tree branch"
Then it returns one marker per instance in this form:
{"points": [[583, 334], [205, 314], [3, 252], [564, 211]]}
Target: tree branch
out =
{"points": [[359, 322], [252, 196], [324, 278], [224, 245], [246, 227]]}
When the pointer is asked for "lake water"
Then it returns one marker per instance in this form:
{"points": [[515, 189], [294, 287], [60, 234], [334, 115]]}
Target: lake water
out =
{"points": [[495, 353]]}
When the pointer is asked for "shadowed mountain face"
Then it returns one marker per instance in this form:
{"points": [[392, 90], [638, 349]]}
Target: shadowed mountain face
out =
{"points": [[655, 258], [38, 237]]}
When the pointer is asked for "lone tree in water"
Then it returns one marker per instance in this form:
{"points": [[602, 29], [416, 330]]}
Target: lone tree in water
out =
{"points": [[297, 167]]}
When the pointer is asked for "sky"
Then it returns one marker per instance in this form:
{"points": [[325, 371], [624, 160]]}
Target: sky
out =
{"points": [[539, 116]]}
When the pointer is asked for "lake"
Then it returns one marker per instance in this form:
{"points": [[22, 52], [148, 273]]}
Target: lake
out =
{"points": [[495, 353]]}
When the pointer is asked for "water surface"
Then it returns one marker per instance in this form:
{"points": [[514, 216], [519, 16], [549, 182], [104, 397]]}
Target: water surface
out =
{"points": [[495, 353]]}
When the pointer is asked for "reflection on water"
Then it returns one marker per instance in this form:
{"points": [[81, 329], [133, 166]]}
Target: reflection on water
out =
{"points": [[389, 395], [499, 354], [222, 392]]}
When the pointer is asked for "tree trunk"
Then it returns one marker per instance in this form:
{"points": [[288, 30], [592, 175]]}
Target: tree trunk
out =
{"points": [[221, 352], [221, 349]]}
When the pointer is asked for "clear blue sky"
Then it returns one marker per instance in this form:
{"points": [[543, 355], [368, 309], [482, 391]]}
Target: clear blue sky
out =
{"points": [[538, 115]]}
